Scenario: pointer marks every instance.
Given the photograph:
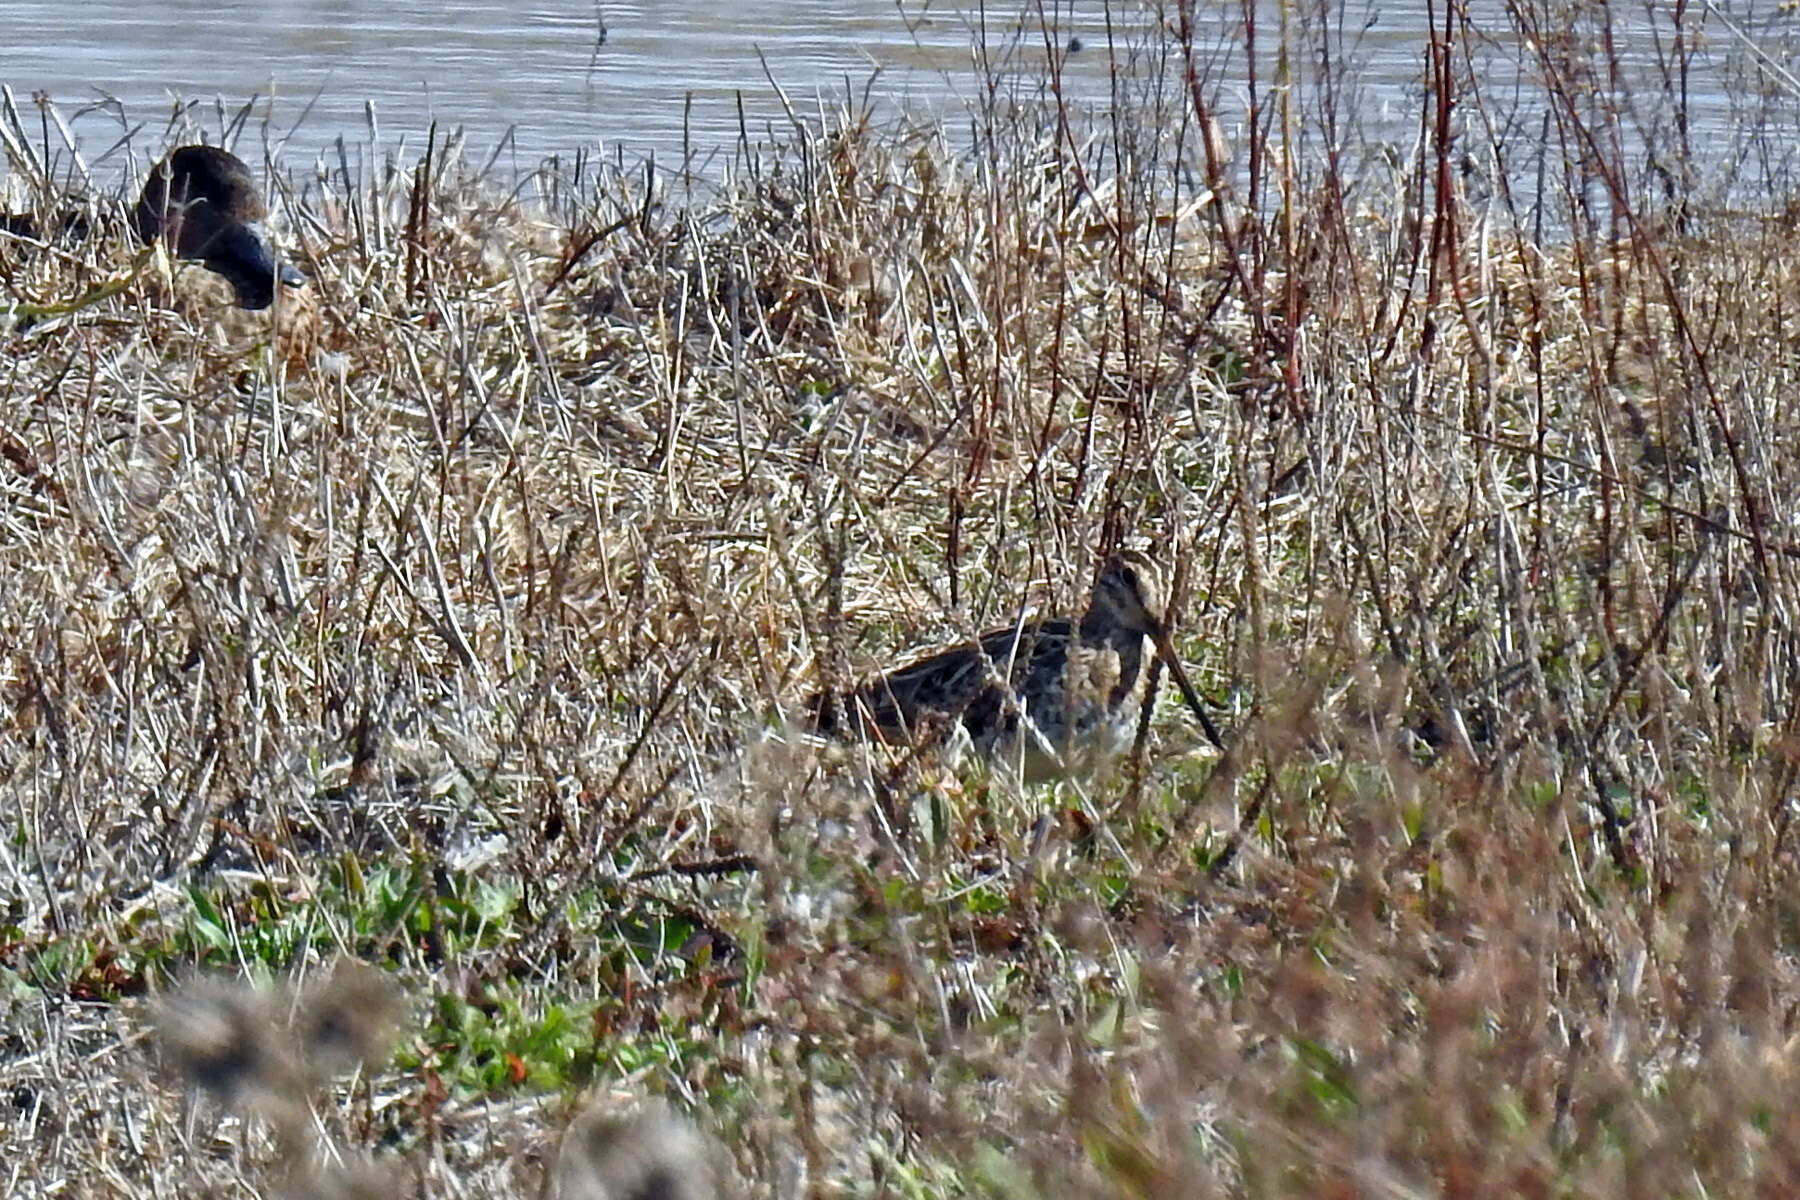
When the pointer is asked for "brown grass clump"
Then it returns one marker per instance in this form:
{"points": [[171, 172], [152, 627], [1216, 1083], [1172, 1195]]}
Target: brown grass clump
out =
{"points": [[456, 622], [650, 1155]]}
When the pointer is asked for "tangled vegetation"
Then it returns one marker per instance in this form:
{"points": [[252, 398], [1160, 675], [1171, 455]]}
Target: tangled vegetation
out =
{"points": [[455, 617]]}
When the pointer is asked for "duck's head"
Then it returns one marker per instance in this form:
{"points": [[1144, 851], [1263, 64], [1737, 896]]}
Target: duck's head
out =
{"points": [[204, 204]]}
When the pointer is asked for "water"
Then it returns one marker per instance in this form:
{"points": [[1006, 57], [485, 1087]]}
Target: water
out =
{"points": [[667, 77], [663, 75]]}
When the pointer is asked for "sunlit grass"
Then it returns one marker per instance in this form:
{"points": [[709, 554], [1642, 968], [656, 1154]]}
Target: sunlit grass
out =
{"points": [[456, 618]]}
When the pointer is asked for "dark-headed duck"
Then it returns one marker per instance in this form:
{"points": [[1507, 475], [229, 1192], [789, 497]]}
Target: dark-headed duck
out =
{"points": [[207, 208]]}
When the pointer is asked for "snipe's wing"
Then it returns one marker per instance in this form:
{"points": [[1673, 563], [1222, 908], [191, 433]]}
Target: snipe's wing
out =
{"points": [[922, 699]]}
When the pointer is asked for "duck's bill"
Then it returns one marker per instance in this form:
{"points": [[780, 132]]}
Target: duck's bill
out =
{"points": [[1165, 649], [243, 256]]}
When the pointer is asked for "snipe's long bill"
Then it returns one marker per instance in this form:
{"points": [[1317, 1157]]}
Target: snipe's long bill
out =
{"points": [[1081, 684]]}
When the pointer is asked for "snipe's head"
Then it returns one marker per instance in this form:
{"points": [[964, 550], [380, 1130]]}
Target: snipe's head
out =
{"points": [[1128, 595]]}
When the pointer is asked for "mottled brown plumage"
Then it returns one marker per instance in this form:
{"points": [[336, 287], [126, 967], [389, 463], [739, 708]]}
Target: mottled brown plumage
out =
{"points": [[1080, 683]]}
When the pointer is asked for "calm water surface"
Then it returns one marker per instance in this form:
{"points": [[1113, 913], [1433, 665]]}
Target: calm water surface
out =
{"points": [[635, 78]]}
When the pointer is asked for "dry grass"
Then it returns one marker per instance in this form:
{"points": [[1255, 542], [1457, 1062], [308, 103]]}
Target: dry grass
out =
{"points": [[451, 619]]}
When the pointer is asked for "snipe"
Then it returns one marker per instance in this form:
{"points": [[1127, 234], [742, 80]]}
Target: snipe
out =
{"points": [[1081, 684]]}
